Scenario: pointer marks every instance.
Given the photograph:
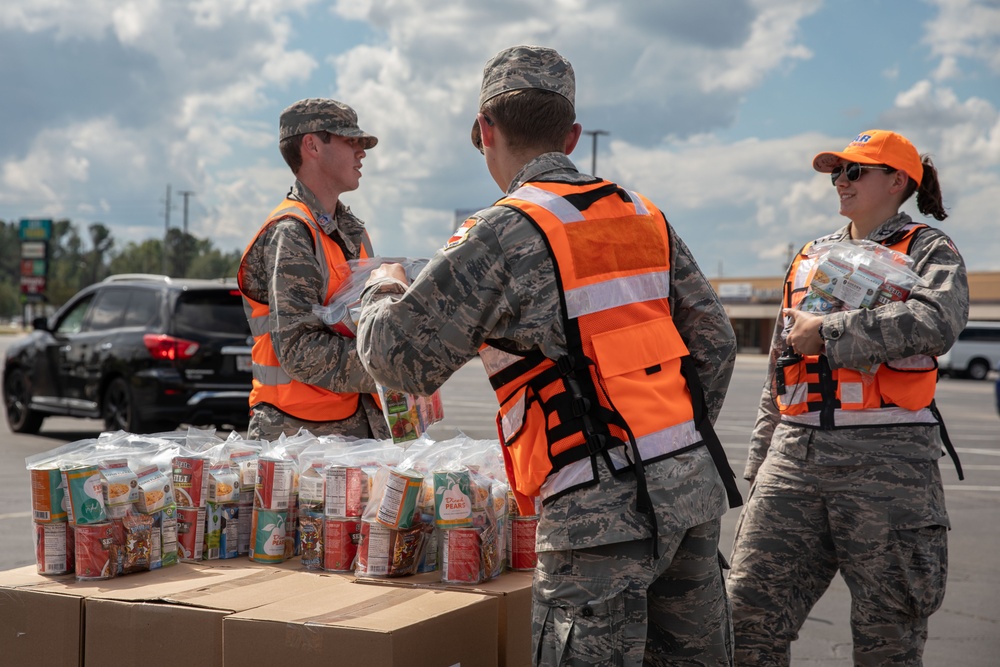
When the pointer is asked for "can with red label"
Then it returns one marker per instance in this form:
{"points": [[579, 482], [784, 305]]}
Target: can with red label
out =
{"points": [[374, 550], [343, 491], [190, 533], [48, 495], [52, 551], [96, 551], [461, 556], [190, 477], [340, 543], [273, 490], [521, 542], [399, 499]]}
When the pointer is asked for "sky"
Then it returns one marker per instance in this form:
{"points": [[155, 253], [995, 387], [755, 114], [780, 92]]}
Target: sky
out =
{"points": [[713, 109]]}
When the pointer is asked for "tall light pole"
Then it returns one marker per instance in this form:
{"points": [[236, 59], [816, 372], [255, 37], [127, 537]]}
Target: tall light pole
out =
{"points": [[593, 150]]}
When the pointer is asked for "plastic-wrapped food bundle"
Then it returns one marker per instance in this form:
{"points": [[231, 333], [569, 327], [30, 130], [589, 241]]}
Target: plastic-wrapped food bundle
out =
{"points": [[342, 312], [848, 275]]}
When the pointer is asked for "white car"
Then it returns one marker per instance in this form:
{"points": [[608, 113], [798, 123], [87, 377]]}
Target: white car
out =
{"points": [[976, 351]]}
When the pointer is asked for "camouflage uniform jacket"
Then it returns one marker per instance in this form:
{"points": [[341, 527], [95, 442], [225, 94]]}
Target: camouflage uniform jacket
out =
{"points": [[500, 283], [928, 322], [282, 270]]}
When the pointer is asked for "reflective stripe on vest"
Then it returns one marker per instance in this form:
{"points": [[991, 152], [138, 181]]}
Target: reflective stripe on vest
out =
{"points": [[271, 383], [898, 392], [652, 447], [611, 252]]}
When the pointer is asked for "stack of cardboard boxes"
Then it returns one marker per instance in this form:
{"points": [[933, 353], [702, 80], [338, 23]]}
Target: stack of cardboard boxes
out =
{"points": [[239, 613]]}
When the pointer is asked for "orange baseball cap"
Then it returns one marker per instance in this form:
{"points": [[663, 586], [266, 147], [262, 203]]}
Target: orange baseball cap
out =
{"points": [[876, 147]]}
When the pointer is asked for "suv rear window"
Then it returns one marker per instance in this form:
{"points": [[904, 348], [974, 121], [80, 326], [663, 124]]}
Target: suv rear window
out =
{"points": [[211, 312]]}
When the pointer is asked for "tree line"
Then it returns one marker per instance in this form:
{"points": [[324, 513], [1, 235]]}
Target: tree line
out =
{"points": [[73, 263]]}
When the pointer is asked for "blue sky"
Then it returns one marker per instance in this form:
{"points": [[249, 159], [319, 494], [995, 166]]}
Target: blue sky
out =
{"points": [[714, 109]]}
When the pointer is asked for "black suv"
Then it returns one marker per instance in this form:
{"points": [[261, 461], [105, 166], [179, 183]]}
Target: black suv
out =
{"points": [[144, 353]]}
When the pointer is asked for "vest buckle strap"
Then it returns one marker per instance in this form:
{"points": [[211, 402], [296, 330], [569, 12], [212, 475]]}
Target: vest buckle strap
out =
{"points": [[596, 443], [581, 406], [566, 364]]}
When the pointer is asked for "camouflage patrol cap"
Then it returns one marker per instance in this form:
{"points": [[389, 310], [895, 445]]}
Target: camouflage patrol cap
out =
{"points": [[520, 67], [316, 114]]}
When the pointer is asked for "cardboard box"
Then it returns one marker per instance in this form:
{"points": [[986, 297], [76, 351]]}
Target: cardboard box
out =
{"points": [[60, 621], [180, 622], [39, 627], [376, 626], [513, 592]]}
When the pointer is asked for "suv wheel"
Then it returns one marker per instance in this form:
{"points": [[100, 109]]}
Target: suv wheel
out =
{"points": [[978, 369], [20, 417], [118, 408]]}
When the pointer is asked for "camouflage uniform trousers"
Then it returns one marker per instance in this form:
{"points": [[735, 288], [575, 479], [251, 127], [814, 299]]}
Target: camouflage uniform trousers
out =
{"points": [[616, 605], [883, 525], [269, 423]]}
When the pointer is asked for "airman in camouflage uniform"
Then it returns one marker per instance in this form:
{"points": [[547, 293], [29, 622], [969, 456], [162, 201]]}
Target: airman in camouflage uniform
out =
{"points": [[867, 501], [282, 269], [599, 597]]}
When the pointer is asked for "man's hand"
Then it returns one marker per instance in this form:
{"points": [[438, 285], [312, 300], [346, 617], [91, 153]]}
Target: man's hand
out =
{"points": [[388, 273], [804, 334]]}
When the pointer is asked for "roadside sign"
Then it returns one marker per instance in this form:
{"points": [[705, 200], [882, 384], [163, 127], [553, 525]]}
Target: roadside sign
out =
{"points": [[33, 249], [33, 267], [33, 285], [35, 229]]}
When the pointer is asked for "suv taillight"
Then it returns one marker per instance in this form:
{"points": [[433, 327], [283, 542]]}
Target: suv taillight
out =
{"points": [[165, 347]]}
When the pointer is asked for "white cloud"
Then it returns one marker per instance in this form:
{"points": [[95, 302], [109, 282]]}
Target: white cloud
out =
{"points": [[964, 29]]}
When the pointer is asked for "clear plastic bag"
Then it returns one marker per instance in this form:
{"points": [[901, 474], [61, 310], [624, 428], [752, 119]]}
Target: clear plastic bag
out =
{"points": [[344, 308]]}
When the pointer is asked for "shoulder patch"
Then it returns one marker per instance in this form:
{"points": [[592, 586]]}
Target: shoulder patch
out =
{"points": [[461, 233]]}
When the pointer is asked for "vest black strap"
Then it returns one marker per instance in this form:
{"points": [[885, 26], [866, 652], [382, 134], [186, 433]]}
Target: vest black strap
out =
{"points": [[708, 434], [950, 448]]}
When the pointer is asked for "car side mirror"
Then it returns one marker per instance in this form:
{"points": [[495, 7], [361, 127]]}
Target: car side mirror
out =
{"points": [[40, 323]]}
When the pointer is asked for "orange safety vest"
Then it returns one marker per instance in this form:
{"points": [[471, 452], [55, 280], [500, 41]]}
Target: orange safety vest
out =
{"points": [[810, 393], [626, 391], [271, 384]]}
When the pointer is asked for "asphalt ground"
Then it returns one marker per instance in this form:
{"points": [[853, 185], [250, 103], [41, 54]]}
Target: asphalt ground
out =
{"points": [[965, 632]]}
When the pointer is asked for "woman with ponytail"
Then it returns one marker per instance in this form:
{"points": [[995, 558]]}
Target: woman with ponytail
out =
{"points": [[843, 459]]}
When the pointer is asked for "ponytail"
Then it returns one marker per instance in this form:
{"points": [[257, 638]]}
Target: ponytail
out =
{"points": [[929, 194]]}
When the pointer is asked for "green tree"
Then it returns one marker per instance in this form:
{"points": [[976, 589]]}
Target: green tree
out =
{"points": [[145, 257], [101, 245], [67, 268]]}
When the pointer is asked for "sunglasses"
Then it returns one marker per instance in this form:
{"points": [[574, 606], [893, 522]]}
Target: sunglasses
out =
{"points": [[853, 171]]}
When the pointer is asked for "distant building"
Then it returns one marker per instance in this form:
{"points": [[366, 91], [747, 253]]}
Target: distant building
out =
{"points": [[752, 305]]}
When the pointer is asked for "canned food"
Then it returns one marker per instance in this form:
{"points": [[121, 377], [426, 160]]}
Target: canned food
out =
{"points": [[48, 495], [452, 499], [267, 540], [190, 533], [96, 551], [461, 557], [52, 552], [273, 490], [375, 550], [340, 544], [521, 543], [190, 481], [399, 499], [343, 491]]}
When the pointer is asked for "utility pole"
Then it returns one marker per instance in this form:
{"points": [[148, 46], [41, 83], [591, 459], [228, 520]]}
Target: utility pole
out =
{"points": [[593, 151], [166, 232], [184, 244]]}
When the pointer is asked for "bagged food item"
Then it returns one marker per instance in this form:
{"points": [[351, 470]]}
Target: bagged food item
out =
{"points": [[850, 275], [344, 308], [408, 415]]}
